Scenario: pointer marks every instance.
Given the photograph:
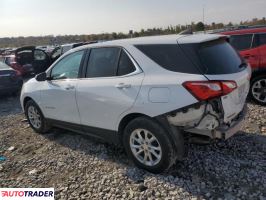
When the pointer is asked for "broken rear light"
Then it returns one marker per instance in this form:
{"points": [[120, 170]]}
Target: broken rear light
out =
{"points": [[204, 90]]}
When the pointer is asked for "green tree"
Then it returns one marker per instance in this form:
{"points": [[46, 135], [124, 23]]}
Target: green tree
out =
{"points": [[200, 26]]}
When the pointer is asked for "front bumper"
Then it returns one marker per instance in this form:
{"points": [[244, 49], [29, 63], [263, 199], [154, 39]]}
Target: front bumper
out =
{"points": [[224, 131]]}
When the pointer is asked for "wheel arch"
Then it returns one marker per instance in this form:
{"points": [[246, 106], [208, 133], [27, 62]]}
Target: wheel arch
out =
{"points": [[25, 100], [258, 72], [126, 119], [175, 136]]}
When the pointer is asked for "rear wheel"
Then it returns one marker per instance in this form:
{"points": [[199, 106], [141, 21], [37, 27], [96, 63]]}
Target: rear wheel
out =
{"points": [[35, 117], [148, 145], [258, 90]]}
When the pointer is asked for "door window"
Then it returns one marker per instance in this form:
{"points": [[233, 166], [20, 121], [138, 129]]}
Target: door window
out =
{"points": [[39, 55], [262, 39], [103, 62], [68, 67], [241, 42], [125, 65]]}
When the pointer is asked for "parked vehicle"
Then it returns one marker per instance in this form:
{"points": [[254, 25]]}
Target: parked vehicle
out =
{"points": [[29, 60], [11, 61], [66, 47], [251, 44], [144, 93], [10, 80]]}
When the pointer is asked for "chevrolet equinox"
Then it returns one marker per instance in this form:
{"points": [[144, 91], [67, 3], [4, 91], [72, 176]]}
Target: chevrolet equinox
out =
{"points": [[146, 94]]}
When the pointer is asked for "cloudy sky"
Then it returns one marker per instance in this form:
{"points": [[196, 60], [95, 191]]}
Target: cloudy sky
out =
{"points": [[45, 17]]}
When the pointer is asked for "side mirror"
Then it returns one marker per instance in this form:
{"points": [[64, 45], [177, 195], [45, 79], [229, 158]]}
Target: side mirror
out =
{"points": [[41, 77]]}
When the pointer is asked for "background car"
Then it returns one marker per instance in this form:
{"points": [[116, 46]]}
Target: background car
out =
{"points": [[29, 60], [251, 44], [10, 80]]}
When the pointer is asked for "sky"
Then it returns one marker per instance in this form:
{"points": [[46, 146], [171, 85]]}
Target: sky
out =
{"points": [[61, 17]]}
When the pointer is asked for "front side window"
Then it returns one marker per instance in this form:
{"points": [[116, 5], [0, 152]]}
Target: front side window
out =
{"points": [[103, 62], [241, 42], [68, 67]]}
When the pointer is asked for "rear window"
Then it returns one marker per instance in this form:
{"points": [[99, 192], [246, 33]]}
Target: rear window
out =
{"points": [[241, 42], [215, 57], [169, 56]]}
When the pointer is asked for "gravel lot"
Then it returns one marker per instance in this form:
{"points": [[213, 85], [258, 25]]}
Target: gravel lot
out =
{"points": [[81, 168]]}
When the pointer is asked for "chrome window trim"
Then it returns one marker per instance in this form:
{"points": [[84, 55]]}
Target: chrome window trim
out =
{"points": [[138, 70]]}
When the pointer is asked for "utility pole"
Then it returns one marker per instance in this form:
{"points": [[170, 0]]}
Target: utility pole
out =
{"points": [[203, 16]]}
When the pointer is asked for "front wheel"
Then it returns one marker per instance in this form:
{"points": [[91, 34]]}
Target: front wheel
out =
{"points": [[35, 117], [258, 90], [148, 145]]}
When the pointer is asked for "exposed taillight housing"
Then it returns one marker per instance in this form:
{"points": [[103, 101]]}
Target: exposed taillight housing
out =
{"points": [[205, 90]]}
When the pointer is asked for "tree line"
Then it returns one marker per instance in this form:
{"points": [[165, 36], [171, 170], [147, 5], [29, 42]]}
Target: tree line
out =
{"points": [[63, 39]]}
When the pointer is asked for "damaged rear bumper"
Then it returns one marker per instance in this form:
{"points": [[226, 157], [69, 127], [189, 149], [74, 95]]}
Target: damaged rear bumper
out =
{"points": [[223, 131]]}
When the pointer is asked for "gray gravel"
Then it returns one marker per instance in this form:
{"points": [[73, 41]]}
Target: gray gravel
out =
{"points": [[79, 167]]}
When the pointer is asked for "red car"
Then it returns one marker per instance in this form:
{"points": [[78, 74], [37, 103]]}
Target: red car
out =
{"points": [[251, 44], [28, 60]]}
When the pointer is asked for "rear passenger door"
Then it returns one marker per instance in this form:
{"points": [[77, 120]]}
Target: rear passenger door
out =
{"points": [[245, 45], [110, 86]]}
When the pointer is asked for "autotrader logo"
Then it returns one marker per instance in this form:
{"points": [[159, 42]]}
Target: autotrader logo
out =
{"points": [[27, 193]]}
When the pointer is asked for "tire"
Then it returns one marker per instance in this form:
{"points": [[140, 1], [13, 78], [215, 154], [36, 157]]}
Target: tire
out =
{"points": [[43, 126], [258, 90], [166, 156]]}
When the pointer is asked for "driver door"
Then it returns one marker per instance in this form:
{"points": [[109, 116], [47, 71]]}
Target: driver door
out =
{"points": [[58, 94]]}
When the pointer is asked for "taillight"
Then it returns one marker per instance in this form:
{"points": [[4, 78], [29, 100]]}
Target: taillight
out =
{"points": [[204, 90]]}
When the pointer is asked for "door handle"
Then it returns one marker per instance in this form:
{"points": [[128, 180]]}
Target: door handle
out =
{"points": [[122, 86], [70, 87]]}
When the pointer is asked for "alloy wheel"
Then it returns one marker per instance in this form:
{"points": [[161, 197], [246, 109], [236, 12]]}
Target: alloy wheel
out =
{"points": [[145, 147], [259, 90], [34, 117]]}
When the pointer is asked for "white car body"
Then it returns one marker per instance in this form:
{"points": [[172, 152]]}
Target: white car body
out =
{"points": [[151, 90]]}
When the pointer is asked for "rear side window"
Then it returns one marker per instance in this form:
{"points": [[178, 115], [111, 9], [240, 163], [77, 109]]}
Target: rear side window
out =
{"points": [[262, 39], [218, 57], [103, 62], [125, 65], [169, 56], [241, 42]]}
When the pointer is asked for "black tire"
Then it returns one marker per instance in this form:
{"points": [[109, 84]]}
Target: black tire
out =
{"points": [[251, 92], [44, 127], [168, 155]]}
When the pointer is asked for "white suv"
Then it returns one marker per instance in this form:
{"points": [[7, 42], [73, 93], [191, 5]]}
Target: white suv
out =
{"points": [[144, 93]]}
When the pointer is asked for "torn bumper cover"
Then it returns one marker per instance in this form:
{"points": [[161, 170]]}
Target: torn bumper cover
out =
{"points": [[223, 131]]}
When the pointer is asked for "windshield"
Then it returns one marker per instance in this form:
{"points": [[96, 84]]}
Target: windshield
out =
{"points": [[4, 66]]}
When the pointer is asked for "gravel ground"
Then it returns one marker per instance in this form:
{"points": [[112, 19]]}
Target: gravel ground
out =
{"points": [[79, 167]]}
